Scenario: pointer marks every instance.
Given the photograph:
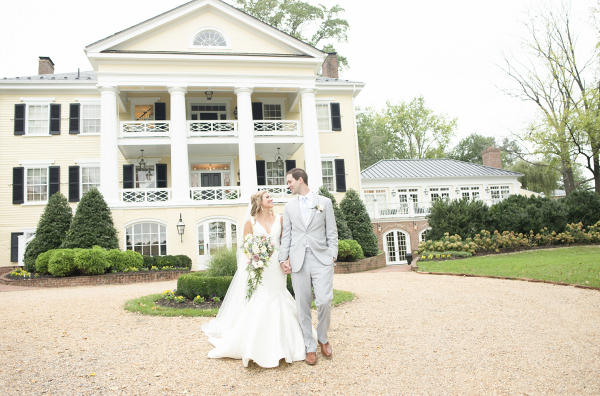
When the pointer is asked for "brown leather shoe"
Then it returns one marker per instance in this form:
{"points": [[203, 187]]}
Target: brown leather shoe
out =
{"points": [[311, 358], [326, 349]]}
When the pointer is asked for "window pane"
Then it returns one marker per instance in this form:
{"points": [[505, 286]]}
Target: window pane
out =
{"points": [[210, 38], [323, 117]]}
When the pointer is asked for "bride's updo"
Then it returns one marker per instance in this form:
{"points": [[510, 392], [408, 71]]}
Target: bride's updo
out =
{"points": [[256, 201]]}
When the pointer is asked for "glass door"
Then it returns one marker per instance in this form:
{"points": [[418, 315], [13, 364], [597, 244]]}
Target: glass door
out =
{"points": [[214, 235]]}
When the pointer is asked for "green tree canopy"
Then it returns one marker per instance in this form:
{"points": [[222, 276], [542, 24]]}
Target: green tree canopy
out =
{"points": [[469, 149], [538, 177], [359, 222], [376, 140], [340, 219]]}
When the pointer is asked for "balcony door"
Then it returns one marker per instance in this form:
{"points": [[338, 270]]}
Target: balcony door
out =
{"points": [[210, 179], [209, 112]]}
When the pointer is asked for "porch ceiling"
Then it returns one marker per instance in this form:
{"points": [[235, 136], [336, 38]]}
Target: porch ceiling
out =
{"points": [[267, 150], [153, 147]]}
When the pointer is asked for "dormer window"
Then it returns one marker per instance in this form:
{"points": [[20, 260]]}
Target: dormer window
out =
{"points": [[209, 37]]}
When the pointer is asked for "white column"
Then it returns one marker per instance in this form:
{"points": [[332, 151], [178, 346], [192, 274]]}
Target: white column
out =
{"points": [[248, 182], [180, 168], [109, 150], [312, 147]]}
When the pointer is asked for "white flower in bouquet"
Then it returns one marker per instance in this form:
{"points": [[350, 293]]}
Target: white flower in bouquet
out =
{"points": [[256, 249], [260, 264], [263, 249]]}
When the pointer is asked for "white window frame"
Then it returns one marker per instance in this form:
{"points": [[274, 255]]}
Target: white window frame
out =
{"points": [[267, 174], [141, 101], [149, 162], [499, 188], [423, 232], [222, 160], [327, 104], [141, 221], [273, 101], [445, 193], [191, 44], [92, 163], [386, 249], [82, 112], [35, 102], [229, 221], [202, 101], [375, 192], [35, 165], [332, 160], [470, 190]]}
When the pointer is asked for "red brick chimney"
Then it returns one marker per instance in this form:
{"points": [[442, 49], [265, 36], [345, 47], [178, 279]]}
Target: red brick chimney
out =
{"points": [[330, 66], [491, 157], [46, 65]]}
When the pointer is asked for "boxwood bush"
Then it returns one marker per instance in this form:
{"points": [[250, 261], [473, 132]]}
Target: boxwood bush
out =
{"points": [[185, 261], [583, 207], [149, 261], [198, 284], [92, 261], [349, 250], [119, 260], [62, 262], [167, 261], [41, 263]]}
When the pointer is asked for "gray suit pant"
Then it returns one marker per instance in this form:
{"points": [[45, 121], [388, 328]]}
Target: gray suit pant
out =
{"points": [[320, 277]]}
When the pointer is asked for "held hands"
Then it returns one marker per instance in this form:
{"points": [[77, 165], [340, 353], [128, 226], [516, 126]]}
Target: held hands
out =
{"points": [[286, 267]]}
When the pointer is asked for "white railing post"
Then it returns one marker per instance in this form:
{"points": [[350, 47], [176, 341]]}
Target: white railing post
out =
{"points": [[376, 209]]}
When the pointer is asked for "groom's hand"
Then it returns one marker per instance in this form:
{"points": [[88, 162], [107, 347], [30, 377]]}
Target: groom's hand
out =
{"points": [[286, 267]]}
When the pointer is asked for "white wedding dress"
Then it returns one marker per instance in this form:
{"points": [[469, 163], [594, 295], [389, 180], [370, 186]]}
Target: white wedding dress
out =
{"points": [[265, 328]]}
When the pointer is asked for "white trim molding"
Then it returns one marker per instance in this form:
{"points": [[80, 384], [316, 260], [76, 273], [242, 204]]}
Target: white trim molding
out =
{"points": [[37, 100], [86, 162], [36, 163]]}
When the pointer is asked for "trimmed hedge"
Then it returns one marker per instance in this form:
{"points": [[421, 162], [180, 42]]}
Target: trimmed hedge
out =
{"points": [[198, 284], [426, 255], [92, 261], [167, 261], [349, 250], [185, 261], [41, 263], [62, 262], [119, 260]]}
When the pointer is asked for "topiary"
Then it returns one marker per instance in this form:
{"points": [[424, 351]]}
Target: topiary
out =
{"points": [[92, 261], [51, 229], [340, 220], [62, 262], [185, 261], [359, 223], [194, 284], [349, 250], [41, 263], [583, 207], [92, 224]]}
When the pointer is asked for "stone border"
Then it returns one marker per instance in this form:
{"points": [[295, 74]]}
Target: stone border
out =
{"points": [[367, 264], [94, 280], [511, 278]]}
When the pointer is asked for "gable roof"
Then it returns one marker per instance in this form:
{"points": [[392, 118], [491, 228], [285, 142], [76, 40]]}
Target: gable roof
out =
{"points": [[424, 168]]}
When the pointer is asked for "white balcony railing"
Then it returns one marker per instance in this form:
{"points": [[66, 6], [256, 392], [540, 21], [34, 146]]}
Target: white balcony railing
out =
{"points": [[144, 128], [276, 128], [401, 209], [214, 193], [212, 128], [145, 195], [277, 191]]}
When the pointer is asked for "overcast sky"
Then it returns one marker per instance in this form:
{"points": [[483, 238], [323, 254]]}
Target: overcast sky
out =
{"points": [[447, 51]]}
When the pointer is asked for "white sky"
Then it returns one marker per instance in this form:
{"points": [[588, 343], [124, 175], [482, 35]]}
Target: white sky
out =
{"points": [[447, 51]]}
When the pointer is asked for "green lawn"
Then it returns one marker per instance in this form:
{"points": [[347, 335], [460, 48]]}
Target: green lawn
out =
{"points": [[576, 265]]}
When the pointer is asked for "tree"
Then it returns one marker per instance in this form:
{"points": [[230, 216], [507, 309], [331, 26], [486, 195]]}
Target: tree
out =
{"points": [[51, 229], [92, 224], [376, 140], [583, 207], [538, 177], [340, 219], [295, 17], [469, 149], [359, 223], [458, 217]]}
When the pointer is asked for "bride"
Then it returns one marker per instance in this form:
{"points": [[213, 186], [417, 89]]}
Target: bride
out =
{"points": [[265, 328]]}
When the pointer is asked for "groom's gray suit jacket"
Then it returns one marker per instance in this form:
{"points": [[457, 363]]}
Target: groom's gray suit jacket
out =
{"points": [[320, 233]]}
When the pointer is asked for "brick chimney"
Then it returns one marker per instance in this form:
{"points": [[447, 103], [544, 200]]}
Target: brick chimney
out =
{"points": [[491, 157], [46, 65], [330, 66]]}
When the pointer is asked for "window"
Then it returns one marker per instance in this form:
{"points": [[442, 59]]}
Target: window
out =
{"points": [[37, 184], [469, 193], [271, 112], [90, 118], [439, 193], [148, 239], [38, 119], [275, 174], [210, 38], [328, 175], [144, 112], [372, 196], [423, 234], [500, 192], [214, 235], [90, 177], [323, 117], [145, 178]]}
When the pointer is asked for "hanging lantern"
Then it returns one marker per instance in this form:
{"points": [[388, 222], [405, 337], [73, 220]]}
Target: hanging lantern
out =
{"points": [[279, 158]]}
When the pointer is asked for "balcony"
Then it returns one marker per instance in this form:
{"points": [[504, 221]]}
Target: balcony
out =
{"points": [[278, 192], [277, 128], [211, 194], [212, 128], [398, 210], [139, 195], [145, 129]]}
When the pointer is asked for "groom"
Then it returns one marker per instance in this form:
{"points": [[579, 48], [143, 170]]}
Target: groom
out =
{"points": [[309, 246]]}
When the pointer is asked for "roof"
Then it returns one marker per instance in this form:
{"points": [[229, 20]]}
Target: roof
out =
{"points": [[423, 168], [84, 75]]}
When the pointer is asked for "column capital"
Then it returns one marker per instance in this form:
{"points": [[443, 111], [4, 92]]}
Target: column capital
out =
{"points": [[308, 92], [243, 90], [177, 89], [108, 88]]}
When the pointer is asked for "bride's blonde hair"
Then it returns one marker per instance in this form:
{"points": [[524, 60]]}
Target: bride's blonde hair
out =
{"points": [[256, 201]]}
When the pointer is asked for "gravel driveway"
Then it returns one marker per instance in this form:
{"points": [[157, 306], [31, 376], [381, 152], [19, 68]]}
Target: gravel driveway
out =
{"points": [[405, 334]]}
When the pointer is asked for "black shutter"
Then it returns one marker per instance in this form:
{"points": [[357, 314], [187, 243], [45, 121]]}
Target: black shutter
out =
{"points": [[14, 246], [54, 178], [257, 111], [18, 187], [336, 118], [128, 176], [74, 109], [55, 119], [289, 165], [74, 183], [161, 175], [160, 111], [20, 119], [340, 175], [261, 174]]}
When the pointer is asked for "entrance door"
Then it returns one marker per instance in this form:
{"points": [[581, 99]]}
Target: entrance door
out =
{"points": [[209, 116], [213, 236], [211, 180], [396, 244]]}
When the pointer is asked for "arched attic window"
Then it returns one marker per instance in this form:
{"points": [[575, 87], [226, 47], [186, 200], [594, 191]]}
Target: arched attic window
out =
{"points": [[210, 37]]}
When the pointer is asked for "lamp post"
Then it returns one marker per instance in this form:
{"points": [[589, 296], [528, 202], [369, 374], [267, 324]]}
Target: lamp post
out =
{"points": [[180, 227]]}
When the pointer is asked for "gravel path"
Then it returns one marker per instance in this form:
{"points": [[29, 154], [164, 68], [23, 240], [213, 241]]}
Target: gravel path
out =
{"points": [[405, 334]]}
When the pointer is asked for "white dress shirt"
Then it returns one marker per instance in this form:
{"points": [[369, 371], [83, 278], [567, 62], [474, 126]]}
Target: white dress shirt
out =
{"points": [[305, 202]]}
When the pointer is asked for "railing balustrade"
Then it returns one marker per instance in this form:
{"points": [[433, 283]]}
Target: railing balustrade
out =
{"points": [[215, 193], [212, 128], [277, 191], [276, 128], [145, 128], [145, 195]]}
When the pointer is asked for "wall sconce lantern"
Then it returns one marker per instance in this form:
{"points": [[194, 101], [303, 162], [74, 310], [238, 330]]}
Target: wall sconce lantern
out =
{"points": [[279, 158], [415, 225], [426, 191], [487, 190], [393, 193], [378, 227], [208, 95], [235, 113], [457, 191], [142, 161], [180, 227]]}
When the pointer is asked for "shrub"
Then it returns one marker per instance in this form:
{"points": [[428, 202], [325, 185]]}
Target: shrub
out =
{"points": [[92, 224], [583, 207], [222, 263], [198, 284], [62, 262], [167, 261], [92, 261], [522, 214], [461, 217], [51, 229], [149, 261], [185, 261], [359, 223], [340, 220], [116, 260], [41, 263], [289, 285], [432, 255], [349, 250], [133, 259]]}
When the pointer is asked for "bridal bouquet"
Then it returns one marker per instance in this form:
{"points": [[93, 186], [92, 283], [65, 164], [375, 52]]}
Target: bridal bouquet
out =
{"points": [[258, 249]]}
